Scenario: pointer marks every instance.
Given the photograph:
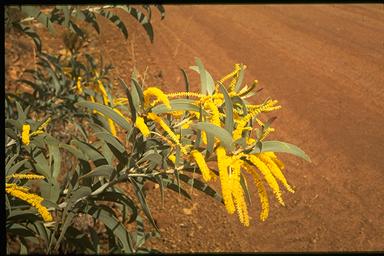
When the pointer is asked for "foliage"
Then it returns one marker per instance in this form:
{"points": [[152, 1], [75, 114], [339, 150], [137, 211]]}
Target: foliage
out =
{"points": [[69, 16]]}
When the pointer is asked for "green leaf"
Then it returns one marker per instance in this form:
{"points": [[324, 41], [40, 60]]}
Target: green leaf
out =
{"points": [[74, 151], [161, 10], [203, 187], [121, 199], [113, 224], [228, 110], [139, 193], [49, 191], [177, 105], [223, 135], [107, 111], [102, 170], [35, 12], [79, 193], [153, 157], [240, 78], [140, 17], [88, 17], [21, 216], [15, 167], [207, 85], [187, 87], [278, 146], [115, 20], [137, 92], [90, 151], [130, 100]]}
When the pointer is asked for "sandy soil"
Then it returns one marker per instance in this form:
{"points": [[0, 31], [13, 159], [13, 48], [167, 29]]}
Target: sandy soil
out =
{"points": [[325, 64]]}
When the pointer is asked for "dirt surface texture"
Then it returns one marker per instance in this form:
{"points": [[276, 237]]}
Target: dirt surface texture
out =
{"points": [[325, 65]]}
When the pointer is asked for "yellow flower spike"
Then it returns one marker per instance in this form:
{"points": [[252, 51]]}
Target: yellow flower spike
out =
{"points": [[204, 137], [185, 94], [112, 127], [120, 101], [26, 176], [13, 185], [267, 132], [223, 162], [25, 134], [235, 77], [261, 191], [172, 157], [268, 176], [237, 68], [103, 92], [275, 170], [177, 114], [215, 114], [243, 122], [41, 128], [78, 85], [140, 124], [277, 161], [186, 124], [31, 199], [250, 141], [200, 161], [168, 130], [238, 193], [159, 94]]}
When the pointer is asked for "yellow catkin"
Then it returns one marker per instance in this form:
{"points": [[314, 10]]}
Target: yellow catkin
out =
{"points": [[41, 128], [200, 161], [215, 114], [177, 114], [172, 157], [275, 171], [13, 185], [204, 137], [238, 193], [277, 161], [31, 199], [250, 141], [79, 86], [93, 100], [261, 191], [235, 77], [267, 132], [168, 130], [26, 176], [103, 92], [120, 101], [268, 176], [25, 134], [237, 68], [140, 124], [186, 124], [112, 127], [222, 162], [185, 94], [159, 94], [268, 106]]}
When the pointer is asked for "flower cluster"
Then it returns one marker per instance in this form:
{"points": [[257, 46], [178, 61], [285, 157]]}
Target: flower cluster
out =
{"points": [[23, 194], [171, 125]]}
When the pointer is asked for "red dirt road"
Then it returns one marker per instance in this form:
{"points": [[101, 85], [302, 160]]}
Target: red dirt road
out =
{"points": [[325, 64]]}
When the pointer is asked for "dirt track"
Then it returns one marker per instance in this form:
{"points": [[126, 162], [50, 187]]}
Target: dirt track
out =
{"points": [[325, 63]]}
